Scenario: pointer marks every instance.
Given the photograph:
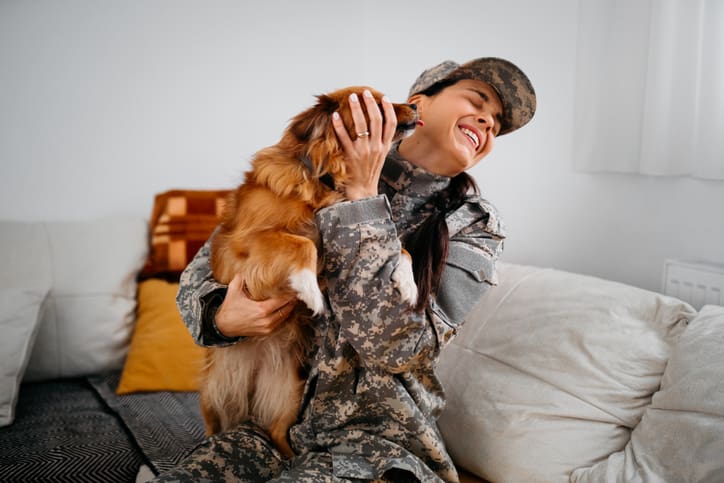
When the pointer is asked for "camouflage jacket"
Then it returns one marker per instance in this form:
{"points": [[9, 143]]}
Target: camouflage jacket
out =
{"points": [[372, 398]]}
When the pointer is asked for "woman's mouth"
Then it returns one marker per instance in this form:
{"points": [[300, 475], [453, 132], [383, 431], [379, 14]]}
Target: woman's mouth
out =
{"points": [[472, 135]]}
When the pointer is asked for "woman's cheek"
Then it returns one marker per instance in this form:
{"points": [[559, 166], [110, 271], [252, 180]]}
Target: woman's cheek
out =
{"points": [[489, 143]]}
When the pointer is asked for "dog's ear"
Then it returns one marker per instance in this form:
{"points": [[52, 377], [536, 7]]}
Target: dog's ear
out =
{"points": [[313, 123]]}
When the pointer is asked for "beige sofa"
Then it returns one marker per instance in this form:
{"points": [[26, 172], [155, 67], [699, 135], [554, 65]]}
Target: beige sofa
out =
{"points": [[555, 376], [562, 377]]}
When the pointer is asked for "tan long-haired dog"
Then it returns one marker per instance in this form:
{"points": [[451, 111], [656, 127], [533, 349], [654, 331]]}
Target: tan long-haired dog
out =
{"points": [[269, 236]]}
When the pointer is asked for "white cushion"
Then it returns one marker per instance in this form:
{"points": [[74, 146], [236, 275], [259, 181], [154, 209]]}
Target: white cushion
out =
{"points": [[552, 371], [681, 435], [24, 256], [92, 265], [20, 311]]}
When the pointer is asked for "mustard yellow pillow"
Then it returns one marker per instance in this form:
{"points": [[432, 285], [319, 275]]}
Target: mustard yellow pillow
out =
{"points": [[162, 355]]}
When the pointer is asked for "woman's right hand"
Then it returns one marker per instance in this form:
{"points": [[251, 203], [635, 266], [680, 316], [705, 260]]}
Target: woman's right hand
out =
{"points": [[366, 154], [241, 316]]}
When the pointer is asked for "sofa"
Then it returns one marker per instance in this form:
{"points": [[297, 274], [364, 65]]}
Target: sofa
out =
{"points": [[555, 376]]}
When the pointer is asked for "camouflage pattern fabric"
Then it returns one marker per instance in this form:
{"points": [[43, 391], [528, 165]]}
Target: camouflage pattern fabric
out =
{"points": [[372, 397], [246, 454]]}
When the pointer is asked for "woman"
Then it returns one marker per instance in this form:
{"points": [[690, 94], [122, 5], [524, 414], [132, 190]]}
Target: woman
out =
{"points": [[372, 397]]}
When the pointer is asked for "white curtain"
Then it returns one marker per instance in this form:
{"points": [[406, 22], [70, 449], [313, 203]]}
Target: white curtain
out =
{"points": [[650, 87]]}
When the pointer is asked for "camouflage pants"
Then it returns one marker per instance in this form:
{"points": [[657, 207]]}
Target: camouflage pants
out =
{"points": [[246, 454]]}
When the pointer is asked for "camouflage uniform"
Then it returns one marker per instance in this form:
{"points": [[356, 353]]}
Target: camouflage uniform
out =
{"points": [[372, 397]]}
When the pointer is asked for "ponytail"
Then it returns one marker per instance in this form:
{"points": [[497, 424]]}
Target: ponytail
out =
{"points": [[428, 245]]}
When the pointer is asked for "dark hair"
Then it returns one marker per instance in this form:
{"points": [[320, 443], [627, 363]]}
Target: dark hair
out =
{"points": [[439, 86], [428, 245]]}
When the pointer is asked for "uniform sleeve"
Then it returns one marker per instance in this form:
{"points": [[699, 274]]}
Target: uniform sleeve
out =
{"points": [[475, 246], [199, 297], [361, 251]]}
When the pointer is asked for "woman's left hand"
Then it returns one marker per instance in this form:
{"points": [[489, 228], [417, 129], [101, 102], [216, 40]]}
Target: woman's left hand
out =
{"points": [[366, 154]]}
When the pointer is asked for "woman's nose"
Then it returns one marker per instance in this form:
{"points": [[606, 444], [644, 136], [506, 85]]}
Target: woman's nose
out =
{"points": [[486, 120]]}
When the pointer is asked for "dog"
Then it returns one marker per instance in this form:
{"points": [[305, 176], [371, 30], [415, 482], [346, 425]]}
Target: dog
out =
{"points": [[268, 235]]}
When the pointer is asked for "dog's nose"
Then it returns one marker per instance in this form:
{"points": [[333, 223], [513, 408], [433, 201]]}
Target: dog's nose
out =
{"points": [[413, 107]]}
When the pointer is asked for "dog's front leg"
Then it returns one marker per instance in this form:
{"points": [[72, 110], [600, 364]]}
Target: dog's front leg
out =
{"points": [[281, 260], [404, 279]]}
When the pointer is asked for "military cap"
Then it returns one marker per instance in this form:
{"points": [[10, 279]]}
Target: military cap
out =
{"points": [[510, 83]]}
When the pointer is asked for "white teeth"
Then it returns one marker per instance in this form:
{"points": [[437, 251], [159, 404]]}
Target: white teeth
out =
{"points": [[471, 135]]}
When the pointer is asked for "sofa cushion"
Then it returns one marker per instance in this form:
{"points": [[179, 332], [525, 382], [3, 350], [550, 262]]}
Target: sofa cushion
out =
{"points": [[162, 355], [681, 435], [552, 371], [20, 312], [24, 256], [90, 268]]}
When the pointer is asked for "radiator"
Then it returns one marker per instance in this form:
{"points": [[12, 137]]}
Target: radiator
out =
{"points": [[694, 282]]}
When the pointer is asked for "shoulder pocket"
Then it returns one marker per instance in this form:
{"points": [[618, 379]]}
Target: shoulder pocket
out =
{"points": [[475, 262]]}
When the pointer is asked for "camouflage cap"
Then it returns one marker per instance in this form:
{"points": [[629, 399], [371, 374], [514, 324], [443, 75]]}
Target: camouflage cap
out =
{"points": [[512, 85]]}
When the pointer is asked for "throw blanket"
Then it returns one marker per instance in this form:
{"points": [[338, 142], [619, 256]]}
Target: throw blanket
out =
{"points": [[64, 432], [165, 425], [80, 430]]}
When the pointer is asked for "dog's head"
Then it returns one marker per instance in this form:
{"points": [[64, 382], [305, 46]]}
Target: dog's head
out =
{"points": [[313, 137]]}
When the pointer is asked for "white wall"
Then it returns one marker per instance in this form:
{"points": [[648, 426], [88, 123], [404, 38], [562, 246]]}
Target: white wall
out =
{"points": [[104, 104]]}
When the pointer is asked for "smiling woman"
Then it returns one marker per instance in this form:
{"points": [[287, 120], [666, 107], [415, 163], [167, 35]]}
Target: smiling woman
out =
{"points": [[460, 120]]}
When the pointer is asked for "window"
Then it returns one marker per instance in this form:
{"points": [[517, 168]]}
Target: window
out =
{"points": [[650, 87]]}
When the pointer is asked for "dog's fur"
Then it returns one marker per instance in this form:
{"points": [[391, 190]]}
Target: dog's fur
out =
{"points": [[268, 235]]}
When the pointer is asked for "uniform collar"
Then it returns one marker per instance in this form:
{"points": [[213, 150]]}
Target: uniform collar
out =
{"points": [[405, 177]]}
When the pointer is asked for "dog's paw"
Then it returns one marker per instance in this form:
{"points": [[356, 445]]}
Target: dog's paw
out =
{"points": [[304, 282], [405, 280]]}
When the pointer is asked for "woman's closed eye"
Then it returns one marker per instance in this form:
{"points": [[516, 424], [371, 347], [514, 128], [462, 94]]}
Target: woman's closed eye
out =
{"points": [[475, 102]]}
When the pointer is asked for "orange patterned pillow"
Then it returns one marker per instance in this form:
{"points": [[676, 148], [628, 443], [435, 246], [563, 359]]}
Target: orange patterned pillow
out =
{"points": [[181, 222], [162, 355]]}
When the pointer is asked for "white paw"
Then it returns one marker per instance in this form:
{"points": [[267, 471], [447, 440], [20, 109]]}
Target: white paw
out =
{"points": [[405, 280], [304, 282]]}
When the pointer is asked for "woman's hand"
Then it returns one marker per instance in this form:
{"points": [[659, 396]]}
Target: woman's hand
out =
{"points": [[241, 316], [366, 154]]}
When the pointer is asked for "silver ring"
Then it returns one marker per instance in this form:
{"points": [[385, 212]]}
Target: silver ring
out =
{"points": [[363, 134]]}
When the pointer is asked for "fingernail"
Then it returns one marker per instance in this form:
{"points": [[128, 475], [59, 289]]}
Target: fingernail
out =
{"points": [[385, 99], [367, 93], [335, 115], [354, 98]]}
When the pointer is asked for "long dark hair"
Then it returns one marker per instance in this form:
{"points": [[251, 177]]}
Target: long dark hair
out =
{"points": [[429, 244]]}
